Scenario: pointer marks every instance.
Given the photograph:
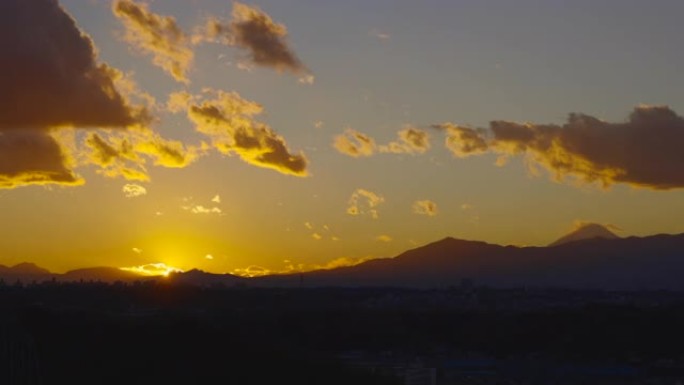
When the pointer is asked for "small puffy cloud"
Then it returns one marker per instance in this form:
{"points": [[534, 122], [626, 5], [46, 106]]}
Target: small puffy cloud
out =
{"points": [[425, 207], [364, 202], [354, 144], [411, 141], [159, 36], [34, 157], [383, 238], [316, 236], [133, 190], [137, 250], [464, 141], [216, 199], [264, 40], [228, 120], [51, 77], [644, 151], [209, 257], [318, 124], [308, 225]]}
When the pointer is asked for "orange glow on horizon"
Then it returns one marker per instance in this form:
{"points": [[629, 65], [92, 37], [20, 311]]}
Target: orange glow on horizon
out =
{"points": [[153, 269]]}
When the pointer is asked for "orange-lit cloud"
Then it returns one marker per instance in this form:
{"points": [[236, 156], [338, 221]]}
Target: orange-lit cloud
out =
{"points": [[644, 151], [156, 35], [133, 190], [425, 207], [383, 238], [200, 209], [126, 154], [364, 202], [52, 81], [356, 144], [153, 269], [411, 141], [228, 120], [291, 267], [464, 141], [253, 30], [34, 157]]}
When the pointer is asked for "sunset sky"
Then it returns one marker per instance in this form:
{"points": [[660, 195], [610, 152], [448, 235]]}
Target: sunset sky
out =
{"points": [[288, 135]]}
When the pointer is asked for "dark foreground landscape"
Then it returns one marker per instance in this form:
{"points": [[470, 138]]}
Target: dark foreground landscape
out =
{"points": [[163, 333]]}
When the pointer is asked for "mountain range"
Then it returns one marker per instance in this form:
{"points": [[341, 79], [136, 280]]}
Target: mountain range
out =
{"points": [[591, 257]]}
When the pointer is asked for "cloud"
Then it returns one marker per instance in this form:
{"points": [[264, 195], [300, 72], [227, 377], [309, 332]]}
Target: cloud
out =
{"points": [[156, 35], [252, 271], [153, 269], [383, 36], [253, 30], [425, 207], [126, 154], [292, 268], [354, 144], [644, 151], [364, 202], [133, 190], [411, 141], [383, 238], [199, 209], [229, 121], [216, 199], [137, 250], [50, 75], [34, 157], [464, 141]]}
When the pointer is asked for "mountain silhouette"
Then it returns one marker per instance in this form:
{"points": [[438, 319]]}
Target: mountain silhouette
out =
{"points": [[649, 263], [583, 261], [584, 232], [104, 274], [23, 269]]}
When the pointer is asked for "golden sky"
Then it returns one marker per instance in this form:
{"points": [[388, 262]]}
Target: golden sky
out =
{"points": [[291, 135]]}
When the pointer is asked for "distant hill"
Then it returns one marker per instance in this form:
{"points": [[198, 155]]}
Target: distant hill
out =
{"points": [[585, 232], [23, 269], [104, 274], [585, 259], [633, 263]]}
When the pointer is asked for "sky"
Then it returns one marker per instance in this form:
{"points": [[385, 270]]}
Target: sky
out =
{"points": [[279, 136]]}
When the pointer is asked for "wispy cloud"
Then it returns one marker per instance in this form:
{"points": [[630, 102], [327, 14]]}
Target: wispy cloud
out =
{"points": [[364, 202], [264, 40], [156, 35], [356, 144], [383, 238], [425, 207]]}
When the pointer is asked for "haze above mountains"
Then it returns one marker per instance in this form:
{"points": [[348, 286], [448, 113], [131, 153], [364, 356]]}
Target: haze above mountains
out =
{"points": [[590, 257]]}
